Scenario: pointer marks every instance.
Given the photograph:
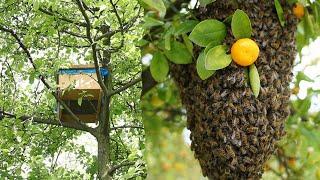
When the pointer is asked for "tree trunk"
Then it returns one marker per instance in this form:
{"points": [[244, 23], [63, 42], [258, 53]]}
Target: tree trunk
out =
{"points": [[103, 158], [103, 131], [233, 133]]}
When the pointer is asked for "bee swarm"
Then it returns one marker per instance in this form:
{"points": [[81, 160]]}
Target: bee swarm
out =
{"points": [[233, 133]]}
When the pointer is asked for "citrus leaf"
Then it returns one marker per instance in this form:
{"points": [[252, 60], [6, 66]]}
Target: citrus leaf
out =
{"points": [[178, 54], [210, 46], [188, 43], [157, 5], [241, 25], [159, 67], [279, 12], [254, 80], [151, 22], [205, 2], [201, 70], [216, 58], [167, 39], [185, 27], [207, 31]]}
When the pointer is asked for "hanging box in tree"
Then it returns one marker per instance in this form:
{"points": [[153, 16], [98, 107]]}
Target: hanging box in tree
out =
{"points": [[78, 87]]}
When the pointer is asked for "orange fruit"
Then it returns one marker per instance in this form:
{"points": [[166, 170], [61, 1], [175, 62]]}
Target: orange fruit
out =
{"points": [[298, 10], [245, 52]]}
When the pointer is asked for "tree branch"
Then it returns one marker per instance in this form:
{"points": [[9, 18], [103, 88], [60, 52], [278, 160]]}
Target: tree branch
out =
{"points": [[51, 13], [93, 45], [74, 34], [114, 168], [127, 126], [75, 46], [147, 82], [71, 125], [41, 77], [126, 86]]}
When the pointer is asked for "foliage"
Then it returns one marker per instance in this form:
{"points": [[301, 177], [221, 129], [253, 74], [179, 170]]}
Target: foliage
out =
{"points": [[55, 34]]}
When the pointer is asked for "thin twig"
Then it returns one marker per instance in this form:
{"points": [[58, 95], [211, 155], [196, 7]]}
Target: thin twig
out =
{"points": [[93, 45], [126, 126], [71, 125], [126, 86], [114, 168]]}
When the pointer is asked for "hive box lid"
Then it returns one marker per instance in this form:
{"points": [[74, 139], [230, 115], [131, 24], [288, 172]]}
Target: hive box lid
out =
{"points": [[80, 77]]}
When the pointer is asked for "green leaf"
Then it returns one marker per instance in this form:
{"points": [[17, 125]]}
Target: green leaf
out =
{"points": [[159, 67], [279, 12], [206, 2], [210, 46], [228, 20], [254, 80], [216, 58], [188, 43], [207, 31], [142, 42], [167, 39], [301, 76], [151, 22], [309, 25], [157, 5], [179, 53], [241, 25], [201, 70], [185, 27], [80, 101]]}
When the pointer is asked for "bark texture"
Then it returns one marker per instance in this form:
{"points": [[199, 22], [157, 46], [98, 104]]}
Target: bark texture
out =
{"points": [[233, 133]]}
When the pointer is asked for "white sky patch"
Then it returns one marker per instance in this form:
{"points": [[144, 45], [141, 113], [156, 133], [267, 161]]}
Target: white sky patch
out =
{"points": [[146, 59]]}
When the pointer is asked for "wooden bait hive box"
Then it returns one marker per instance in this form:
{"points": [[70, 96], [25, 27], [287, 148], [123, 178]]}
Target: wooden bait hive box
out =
{"points": [[78, 87]]}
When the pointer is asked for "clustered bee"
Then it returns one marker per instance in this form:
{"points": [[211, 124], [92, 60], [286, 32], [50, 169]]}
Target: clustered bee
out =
{"points": [[234, 133]]}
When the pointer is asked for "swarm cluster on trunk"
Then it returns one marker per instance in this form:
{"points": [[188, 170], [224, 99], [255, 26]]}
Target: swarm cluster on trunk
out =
{"points": [[233, 133]]}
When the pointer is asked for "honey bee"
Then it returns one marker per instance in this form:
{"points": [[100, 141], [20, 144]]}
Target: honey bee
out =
{"points": [[235, 134], [275, 44], [259, 158], [234, 98], [242, 167], [244, 139], [251, 169], [264, 139], [234, 162], [213, 143], [247, 160], [235, 122], [244, 121], [264, 128], [220, 134], [254, 140], [230, 151], [251, 119], [252, 130], [253, 149], [220, 152]]}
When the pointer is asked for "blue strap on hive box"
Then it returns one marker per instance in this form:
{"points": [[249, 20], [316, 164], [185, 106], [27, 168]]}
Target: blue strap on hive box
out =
{"points": [[104, 72]]}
